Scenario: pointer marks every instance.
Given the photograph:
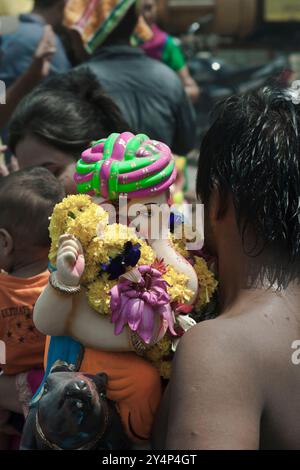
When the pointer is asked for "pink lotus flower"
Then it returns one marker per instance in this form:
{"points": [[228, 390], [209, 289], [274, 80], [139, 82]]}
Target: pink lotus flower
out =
{"points": [[141, 300]]}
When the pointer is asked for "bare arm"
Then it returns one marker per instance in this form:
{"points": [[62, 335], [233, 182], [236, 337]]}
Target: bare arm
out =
{"points": [[214, 393], [189, 84], [37, 71], [16, 92]]}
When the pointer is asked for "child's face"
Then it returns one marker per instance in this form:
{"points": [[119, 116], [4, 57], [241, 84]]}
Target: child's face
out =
{"points": [[32, 152]]}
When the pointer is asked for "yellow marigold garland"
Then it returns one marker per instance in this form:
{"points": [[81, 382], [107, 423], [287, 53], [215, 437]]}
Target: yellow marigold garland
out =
{"points": [[177, 289], [84, 227], [165, 369], [76, 215], [158, 352], [180, 246], [115, 236], [98, 294], [147, 254], [207, 283], [160, 349]]}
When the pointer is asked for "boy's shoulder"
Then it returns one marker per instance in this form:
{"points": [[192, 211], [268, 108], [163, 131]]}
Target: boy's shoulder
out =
{"points": [[250, 340], [13, 283], [218, 343]]}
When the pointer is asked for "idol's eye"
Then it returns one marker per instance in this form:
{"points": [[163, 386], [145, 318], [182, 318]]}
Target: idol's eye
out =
{"points": [[46, 388], [148, 212]]}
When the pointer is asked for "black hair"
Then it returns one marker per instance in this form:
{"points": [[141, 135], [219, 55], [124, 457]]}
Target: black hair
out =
{"points": [[27, 200], [124, 30], [252, 152], [43, 4], [68, 112]]}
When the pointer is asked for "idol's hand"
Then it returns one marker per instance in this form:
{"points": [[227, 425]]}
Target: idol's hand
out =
{"points": [[70, 261]]}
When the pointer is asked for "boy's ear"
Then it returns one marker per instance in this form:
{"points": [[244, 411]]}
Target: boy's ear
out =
{"points": [[218, 204], [6, 242]]}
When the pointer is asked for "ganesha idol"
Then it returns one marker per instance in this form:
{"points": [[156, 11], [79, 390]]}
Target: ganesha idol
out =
{"points": [[118, 302]]}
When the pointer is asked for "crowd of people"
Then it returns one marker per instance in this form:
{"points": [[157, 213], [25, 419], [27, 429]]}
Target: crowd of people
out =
{"points": [[79, 71]]}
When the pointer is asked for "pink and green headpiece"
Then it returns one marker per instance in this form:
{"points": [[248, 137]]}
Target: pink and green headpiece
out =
{"points": [[125, 164]]}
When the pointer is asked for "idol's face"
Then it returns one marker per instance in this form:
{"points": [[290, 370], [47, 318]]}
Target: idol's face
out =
{"points": [[150, 216]]}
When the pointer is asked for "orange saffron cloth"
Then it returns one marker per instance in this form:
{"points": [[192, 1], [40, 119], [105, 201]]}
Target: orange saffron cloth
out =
{"points": [[24, 343]]}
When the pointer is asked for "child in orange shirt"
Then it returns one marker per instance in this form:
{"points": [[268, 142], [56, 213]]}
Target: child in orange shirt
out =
{"points": [[27, 199]]}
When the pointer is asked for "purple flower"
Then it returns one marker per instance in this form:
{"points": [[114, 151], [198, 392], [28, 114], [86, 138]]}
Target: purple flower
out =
{"points": [[141, 300]]}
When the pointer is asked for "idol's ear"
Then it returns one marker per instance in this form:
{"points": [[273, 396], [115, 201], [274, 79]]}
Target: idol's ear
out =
{"points": [[101, 381], [61, 366]]}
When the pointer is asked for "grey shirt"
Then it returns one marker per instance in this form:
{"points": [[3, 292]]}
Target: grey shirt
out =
{"points": [[149, 94]]}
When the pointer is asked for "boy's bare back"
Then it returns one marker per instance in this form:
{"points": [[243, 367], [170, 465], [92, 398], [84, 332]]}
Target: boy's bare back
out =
{"points": [[234, 384]]}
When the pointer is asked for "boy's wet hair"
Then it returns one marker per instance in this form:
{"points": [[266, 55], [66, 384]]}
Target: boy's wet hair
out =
{"points": [[252, 152], [27, 200]]}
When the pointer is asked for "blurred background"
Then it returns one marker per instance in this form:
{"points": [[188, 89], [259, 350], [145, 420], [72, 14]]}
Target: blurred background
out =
{"points": [[230, 46]]}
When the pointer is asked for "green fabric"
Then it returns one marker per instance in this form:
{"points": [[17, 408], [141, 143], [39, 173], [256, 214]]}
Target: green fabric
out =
{"points": [[172, 55], [112, 21]]}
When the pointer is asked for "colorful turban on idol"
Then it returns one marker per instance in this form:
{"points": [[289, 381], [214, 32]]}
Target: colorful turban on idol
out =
{"points": [[95, 20], [125, 164]]}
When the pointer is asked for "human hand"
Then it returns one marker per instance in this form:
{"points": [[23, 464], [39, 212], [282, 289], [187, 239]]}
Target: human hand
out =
{"points": [[5, 169], [70, 261], [44, 52]]}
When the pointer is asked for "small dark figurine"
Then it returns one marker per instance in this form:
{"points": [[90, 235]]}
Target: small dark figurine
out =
{"points": [[73, 413]]}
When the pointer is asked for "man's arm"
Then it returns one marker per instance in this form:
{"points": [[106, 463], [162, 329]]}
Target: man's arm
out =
{"points": [[185, 134], [191, 88], [175, 59], [214, 392], [33, 75]]}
